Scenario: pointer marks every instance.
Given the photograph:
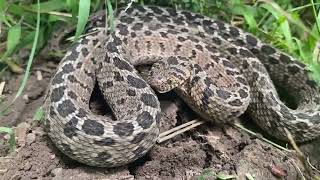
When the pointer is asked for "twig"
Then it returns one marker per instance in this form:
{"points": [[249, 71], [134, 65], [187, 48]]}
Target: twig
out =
{"points": [[314, 168], [178, 130], [300, 154], [262, 138]]}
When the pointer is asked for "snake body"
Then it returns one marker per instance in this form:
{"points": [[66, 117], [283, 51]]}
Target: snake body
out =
{"points": [[219, 70]]}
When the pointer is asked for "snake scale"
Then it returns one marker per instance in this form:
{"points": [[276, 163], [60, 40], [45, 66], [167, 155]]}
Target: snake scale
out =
{"points": [[217, 69]]}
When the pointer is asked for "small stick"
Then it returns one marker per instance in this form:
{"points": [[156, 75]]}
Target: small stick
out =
{"points": [[178, 130], [178, 127], [2, 87], [262, 138]]}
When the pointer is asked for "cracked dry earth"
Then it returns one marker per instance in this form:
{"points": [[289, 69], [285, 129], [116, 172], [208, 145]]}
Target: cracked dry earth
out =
{"points": [[207, 148]]}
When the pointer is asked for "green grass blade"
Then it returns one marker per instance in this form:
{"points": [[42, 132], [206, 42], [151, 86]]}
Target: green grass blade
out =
{"points": [[317, 17], [13, 39], [73, 6], [109, 12], [3, 7], [284, 24], [52, 5], [33, 50], [83, 15], [39, 114]]}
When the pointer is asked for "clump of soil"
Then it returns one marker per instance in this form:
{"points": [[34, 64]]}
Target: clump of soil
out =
{"points": [[190, 155]]}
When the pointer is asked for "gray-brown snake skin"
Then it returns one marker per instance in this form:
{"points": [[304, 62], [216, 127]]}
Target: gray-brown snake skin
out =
{"points": [[219, 70]]}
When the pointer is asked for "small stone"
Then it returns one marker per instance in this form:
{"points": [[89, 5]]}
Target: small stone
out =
{"points": [[21, 132], [31, 137], [56, 172], [52, 156], [27, 166]]}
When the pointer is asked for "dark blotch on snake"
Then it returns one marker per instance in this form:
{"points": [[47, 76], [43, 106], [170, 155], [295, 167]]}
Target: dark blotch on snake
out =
{"points": [[72, 95], [147, 33], [118, 77], [234, 31], [139, 152], [126, 19], [131, 92], [103, 157], [92, 127], [84, 52], [138, 138], [207, 93], [104, 142], [156, 9], [199, 47], [236, 102], [312, 84], [223, 94], [163, 19], [184, 30], [194, 80], [137, 26], [293, 69], [232, 50], [243, 93], [111, 47], [58, 78], [73, 55], [145, 119], [81, 113], [172, 12], [65, 108], [146, 19], [273, 60], [109, 84], [135, 82], [181, 39], [172, 60], [285, 58], [251, 40], [149, 100], [246, 53], [158, 118], [123, 29], [140, 8], [123, 129], [57, 93], [164, 35], [228, 64], [67, 68], [207, 81], [66, 148], [268, 49], [117, 40], [70, 128], [122, 64]]}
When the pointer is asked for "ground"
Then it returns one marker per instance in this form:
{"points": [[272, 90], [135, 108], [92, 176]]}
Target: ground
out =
{"points": [[201, 153]]}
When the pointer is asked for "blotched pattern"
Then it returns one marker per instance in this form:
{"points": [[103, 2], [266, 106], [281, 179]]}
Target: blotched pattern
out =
{"points": [[219, 70]]}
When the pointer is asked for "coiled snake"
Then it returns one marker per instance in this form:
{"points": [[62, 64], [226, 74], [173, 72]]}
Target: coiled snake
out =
{"points": [[219, 70]]}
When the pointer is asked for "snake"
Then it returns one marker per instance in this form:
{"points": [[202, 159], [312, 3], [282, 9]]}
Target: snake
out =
{"points": [[219, 70]]}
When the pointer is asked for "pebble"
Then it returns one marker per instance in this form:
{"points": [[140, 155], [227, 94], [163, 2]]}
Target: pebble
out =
{"points": [[31, 137]]}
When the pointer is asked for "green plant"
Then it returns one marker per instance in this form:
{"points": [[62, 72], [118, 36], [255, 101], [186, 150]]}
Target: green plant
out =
{"points": [[11, 140]]}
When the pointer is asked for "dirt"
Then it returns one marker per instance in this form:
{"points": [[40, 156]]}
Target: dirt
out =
{"points": [[201, 153]]}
